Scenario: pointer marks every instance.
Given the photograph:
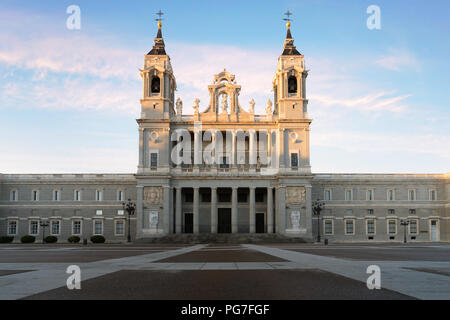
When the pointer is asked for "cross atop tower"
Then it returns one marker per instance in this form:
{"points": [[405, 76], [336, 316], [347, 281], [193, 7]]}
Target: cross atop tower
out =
{"points": [[159, 14], [288, 15]]}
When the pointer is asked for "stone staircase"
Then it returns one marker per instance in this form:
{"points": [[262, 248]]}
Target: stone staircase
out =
{"points": [[224, 238]]}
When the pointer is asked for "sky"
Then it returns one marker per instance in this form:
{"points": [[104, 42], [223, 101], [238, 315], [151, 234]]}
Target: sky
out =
{"points": [[69, 99]]}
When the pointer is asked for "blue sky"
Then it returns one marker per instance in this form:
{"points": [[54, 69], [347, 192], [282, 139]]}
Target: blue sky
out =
{"points": [[378, 98]]}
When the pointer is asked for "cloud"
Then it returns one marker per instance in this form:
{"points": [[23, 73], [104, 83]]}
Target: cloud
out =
{"points": [[398, 60]]}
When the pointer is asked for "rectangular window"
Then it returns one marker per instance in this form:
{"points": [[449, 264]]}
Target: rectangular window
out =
{"points": [[242, 197], [12, 228], [224, 196], [413, 226], [99, 195], [370, 226], [390, 195], [348, 195], [433, 196], [392, 226], [294, 160], [369, 195], [76, 227], [55, 227], [327, 194], [189, 196], [98, 212], [412, 211], [13, 196], [120, 228], [153, 159], [35, 195], [224, 163], [98, 227], [370, 211], [259, 196], [349, 227], [77, 195], [120, 212], [328, 226], [391, 212], [56, 195], [34, 227], [411, 195], [121, 195]]}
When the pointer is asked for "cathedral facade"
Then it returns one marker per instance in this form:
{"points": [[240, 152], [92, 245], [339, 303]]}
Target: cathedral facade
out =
{"points": [[225, 169]]}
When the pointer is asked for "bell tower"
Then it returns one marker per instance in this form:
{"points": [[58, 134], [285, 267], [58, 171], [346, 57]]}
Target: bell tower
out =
{"points": [[159, 82], [289, 82]]}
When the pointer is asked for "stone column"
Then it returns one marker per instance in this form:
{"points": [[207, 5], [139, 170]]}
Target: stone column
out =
{"points": [[309, 211], [234, 210], [252, 147], [233, 148], [213, 209], [281, 154], [197, 147], [269, 210], [252, 209], [139, 212], [281, 217], [178, 213], [166, 209], [141, 148], [196, 209]]}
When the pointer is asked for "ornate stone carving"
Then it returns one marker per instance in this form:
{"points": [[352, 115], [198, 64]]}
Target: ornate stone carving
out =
{"points": [[269, 108], [295, 195], [225, 103], [152, 195], [295, 220], [252, 106], [196, 105]]}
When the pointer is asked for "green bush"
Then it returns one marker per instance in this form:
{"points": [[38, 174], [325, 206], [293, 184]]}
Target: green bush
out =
{"points": [[74, 239], [28, 239], [6, 239], [50, 239], [97, 239]]}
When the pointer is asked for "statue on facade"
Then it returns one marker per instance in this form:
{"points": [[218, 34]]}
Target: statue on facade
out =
{"points": [[269, 108], [252, 106], [153, 219], [295, 220], [179, 105], [225, 103], [196, 105]]}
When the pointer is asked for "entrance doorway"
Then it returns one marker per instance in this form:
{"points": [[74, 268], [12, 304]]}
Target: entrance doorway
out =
{"points": [[224, 220], [259, 223], [434, 231], [188, 223]]}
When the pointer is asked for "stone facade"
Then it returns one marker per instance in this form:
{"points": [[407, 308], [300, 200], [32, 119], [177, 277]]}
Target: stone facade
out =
{"points": [[225, 169]]}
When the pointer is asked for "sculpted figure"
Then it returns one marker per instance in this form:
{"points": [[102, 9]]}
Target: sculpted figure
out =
{"points": [[196, 105], [269, 107], [295, 220], [179, 105], [252, 106], [225, 103], [153, 219]]}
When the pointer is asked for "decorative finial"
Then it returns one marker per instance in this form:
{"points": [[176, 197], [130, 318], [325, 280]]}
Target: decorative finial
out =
{"points": [[288, 14], [159, 19]]}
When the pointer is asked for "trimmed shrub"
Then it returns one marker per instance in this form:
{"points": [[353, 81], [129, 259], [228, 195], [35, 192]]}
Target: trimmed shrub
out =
{"points": [[28, 239], [6, 239], [74, 239], [97, 239], [50, 239]]}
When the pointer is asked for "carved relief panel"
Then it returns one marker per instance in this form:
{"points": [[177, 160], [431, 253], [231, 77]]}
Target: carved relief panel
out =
{"points": [[152, 195], [295, 195]]}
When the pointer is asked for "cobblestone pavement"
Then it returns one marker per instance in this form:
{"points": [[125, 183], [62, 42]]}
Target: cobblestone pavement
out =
{"points": [[284, 271]]}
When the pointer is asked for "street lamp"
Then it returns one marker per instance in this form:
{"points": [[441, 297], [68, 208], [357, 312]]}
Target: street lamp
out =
{"points": [[130, 208], [317, 207], [43, 225], [404, 223]]}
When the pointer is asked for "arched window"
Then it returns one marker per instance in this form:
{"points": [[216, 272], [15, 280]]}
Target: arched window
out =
{"points": [[155, 85], [292, 84]]}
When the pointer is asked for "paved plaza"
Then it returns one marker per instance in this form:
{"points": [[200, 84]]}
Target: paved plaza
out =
{"points": [[225, 271]]}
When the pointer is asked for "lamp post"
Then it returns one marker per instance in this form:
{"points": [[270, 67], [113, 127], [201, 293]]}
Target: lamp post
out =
{"points": [[404, 223], [43, 225], [317, 207], [130, 208]]}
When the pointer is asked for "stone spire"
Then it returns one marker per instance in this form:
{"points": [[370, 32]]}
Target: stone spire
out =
{"points": [[289, 48], [159, 47]]}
